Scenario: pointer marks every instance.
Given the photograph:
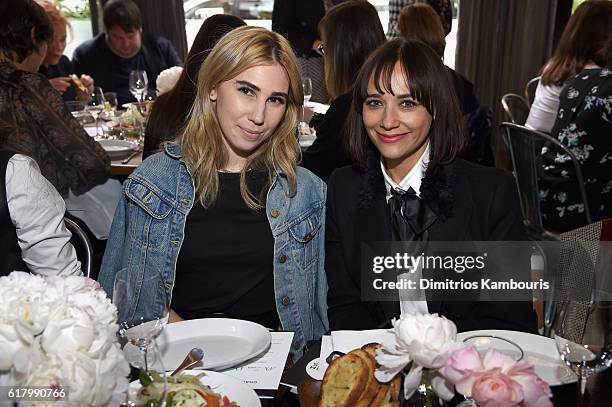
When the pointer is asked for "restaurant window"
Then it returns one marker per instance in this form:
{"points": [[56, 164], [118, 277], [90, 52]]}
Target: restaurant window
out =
{"points": [[79, 15]]}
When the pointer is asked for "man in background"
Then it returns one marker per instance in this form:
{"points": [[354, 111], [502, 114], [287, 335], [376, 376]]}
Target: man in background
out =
{"points": [[110, 56]]}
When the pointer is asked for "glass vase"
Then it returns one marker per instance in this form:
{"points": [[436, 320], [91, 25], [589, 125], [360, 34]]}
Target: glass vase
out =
{"points": [[424, 395]]}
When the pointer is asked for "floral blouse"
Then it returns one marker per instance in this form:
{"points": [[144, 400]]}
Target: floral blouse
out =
{"points": [[584, 125], [34, 121]]}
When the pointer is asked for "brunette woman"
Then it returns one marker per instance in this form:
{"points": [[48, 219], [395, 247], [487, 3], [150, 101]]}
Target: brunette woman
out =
{"points": [[407, 185], [342, 63], [225, 218], [584, 35]]}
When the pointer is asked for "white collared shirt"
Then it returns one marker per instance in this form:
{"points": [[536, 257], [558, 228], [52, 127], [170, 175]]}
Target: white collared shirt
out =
{"points": [[412, 179], [411, 302]]}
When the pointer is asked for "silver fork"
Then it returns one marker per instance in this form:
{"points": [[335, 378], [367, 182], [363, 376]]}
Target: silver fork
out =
{"points": [[129, 157]]}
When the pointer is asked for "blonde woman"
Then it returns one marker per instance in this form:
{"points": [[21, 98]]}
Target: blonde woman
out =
{"points": [[225, 216]]}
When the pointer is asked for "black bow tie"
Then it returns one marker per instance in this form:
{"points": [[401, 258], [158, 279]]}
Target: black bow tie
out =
{"points": [[410, 216]]}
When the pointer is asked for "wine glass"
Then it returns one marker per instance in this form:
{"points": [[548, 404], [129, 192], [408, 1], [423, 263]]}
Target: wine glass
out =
{"points": [[307, 87], [143, 327], [582, 331], [138, 84], [96, 105]]}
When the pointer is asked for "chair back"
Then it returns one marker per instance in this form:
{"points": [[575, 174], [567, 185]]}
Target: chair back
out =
{"points": [[530, 89], [82, 245], [524, 145], [516, 108]]}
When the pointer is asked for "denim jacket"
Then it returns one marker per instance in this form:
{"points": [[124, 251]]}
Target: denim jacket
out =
{"points": [[148, 230]]}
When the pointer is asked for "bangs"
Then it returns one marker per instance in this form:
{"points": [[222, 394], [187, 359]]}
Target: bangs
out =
{"points": [[414, 73]]}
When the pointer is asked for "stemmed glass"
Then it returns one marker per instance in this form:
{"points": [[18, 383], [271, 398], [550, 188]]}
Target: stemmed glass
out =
{"points": [[96, 106], [582, 331], [307, 87], [140, 330], [138, 84]]}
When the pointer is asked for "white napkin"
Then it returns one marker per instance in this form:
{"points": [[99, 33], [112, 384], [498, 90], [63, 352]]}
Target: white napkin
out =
{"points": [[346, 341]]}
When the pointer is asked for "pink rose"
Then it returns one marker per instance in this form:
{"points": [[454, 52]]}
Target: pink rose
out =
{"points": [[496, 390], [495, 379]]}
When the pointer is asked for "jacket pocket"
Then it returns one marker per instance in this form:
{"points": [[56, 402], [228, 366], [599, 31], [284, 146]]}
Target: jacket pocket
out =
{"points": [[148, 214], [305, 237]]}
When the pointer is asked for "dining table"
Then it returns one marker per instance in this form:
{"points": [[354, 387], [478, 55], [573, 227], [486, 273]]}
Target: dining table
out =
{"points": [[124, 166], [598, 390]]}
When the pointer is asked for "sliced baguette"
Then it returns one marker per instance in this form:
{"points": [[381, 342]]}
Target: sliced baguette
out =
{"points": [[372, 386], [344, 381]]}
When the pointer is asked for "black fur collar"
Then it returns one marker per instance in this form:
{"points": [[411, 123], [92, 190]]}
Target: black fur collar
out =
{"points": [[437, 188]]}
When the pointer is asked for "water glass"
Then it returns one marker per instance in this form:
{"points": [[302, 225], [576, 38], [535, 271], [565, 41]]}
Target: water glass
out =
{"points": [[138, 84]]}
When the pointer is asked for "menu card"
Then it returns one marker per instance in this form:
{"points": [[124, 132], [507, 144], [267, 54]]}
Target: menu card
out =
{"points": [[265, 371]]}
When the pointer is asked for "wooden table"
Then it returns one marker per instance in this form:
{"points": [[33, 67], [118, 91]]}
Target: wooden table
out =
{"points": [[118, 168]]}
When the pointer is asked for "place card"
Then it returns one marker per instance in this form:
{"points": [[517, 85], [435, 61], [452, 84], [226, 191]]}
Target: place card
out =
{"points": [[265, 371]]}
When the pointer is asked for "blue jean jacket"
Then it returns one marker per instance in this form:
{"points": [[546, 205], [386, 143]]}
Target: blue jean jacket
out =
{"points": [[148, 230]]}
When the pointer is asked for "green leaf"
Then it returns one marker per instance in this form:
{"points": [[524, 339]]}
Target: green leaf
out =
{"points": [[145, 379]]}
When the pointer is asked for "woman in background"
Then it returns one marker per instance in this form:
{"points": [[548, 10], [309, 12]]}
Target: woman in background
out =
{"points": [[170, 110], [582, 38], [342, 62], [34, 120], [56, 66], [224, 216], [408, 186]]}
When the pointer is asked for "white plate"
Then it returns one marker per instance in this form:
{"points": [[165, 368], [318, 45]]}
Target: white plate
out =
{"points": [[538, 350], [224, 385], [117, 148], [225, 342]]}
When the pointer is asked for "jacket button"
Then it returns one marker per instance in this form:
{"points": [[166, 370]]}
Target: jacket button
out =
{"points": [[285, 300], [297, 345], [275, 213], [282, 258]]}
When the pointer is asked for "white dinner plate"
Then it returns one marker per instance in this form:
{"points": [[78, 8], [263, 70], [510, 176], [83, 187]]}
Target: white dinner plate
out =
{"points": [[538, 350], [224, 385], [117, 148], [225, 342]]}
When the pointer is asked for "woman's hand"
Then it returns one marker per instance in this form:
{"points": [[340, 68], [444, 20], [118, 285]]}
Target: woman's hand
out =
{"points": [[88, 82], [61, 83]]}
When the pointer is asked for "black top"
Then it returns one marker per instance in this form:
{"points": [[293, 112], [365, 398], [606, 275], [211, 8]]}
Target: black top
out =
{"points": [[584, 125], [468, 102], [63, 68], [327, 152], [111, 72], [225, 264], [472, 203]]}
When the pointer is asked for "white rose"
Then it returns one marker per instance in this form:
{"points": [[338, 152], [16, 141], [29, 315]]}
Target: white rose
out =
{"points": [[167, 79], [427, 338], [10, 343], [68, 330]]}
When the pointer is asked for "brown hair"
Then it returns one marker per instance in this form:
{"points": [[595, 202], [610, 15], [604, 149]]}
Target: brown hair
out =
{"points": [[582, 39], [429, 84], [122, 13], [421, 22], [17, 20], [351, 30]]}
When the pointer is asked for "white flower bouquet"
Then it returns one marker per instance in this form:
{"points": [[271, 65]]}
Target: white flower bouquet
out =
{"points": [[60, 333]]}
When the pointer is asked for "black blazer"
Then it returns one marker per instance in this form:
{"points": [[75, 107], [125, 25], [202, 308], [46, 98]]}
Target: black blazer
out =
{"points": [[473, 203]]}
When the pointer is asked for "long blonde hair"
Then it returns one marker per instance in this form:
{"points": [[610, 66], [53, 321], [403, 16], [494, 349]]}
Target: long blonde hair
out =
{"points": [[201, 142]]}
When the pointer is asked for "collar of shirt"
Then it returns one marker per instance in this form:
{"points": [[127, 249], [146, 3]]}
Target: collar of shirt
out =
{"points": [[412, 179]]}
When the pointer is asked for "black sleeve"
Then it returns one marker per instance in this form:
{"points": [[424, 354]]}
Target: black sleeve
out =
{"points": [[345, 308]]}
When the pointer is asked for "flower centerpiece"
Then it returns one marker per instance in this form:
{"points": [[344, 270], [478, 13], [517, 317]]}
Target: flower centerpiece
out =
{"points": [[60, 333], [426, 351]]}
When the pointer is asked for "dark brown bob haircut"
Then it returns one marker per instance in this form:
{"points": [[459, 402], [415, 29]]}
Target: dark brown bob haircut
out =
{"points": [[122, 13], [420, 21], [429, 84]]}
